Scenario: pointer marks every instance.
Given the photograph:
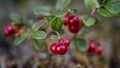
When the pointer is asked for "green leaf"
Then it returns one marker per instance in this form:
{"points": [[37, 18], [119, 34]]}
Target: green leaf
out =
{"points": [[48, 18], [42, 10], [39, 44], [62, 4], [54, 37], [56, 23], [88, 21], [99, 1], [39, 35], [39, 24], [61, 31], [86, 31], [60, 13], [92, 4], [104, 12], [43, 30], [15, 18], [21, 38], [112, 6], [81, 44]]}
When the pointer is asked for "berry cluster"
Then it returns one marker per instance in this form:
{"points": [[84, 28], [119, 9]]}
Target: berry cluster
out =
{"points": [[74, 22], [15, 30], [94, 48], [60, 47]]}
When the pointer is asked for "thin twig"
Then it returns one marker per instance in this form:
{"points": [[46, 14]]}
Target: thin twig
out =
{"points": [[52, 32], [94, 12], [75, 35]]}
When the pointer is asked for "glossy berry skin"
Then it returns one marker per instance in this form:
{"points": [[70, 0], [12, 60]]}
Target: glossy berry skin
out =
{"points": [[58, 48], [10, 28], [53, 48], [65, 41], [98, 50], [73, 21], [66, 19], [61, 49], [91, 47], [74, 29], [6, 33]]}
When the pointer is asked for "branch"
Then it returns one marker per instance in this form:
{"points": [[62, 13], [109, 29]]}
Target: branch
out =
{"points": [[52, 32], [75, 35], [94, 12]]}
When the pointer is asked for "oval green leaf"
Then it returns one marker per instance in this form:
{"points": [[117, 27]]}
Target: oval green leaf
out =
{"points": [[15, 18], [60, 13], [21, 38], [81, 44], [39, 44], [54, 37], [92, 4], [112, 5], [104, 12], [39, 35], [86, 31], [56, 24], [42, 10], [61, 4], [88, 21]]}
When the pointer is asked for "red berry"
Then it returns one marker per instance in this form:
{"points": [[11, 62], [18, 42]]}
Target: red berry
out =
{"points": [[65, 41], [91, 47], [61, 49], [98, 50], [73, 21], [53, 48], [74, 29], [10, 28], [66, 19], [6, 33]]}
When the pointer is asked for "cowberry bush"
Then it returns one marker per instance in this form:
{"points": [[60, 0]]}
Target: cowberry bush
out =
{"points": [[50, 23]]}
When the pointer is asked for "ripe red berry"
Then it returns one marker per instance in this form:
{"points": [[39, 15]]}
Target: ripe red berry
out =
{"points": [[53, 48], [91, 47], [58, 48], [6, 33], [98, 50], [10, 28], [74, 29], [73, 21], [65, 41], [61, 49], [66, 19]]}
